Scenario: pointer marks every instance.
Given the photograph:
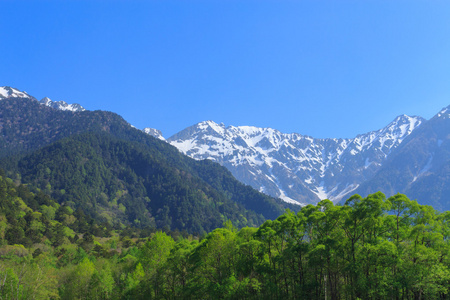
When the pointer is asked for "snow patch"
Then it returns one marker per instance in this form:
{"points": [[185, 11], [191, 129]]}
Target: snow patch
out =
{"points": [[287, 199], [320, 191], [347, 190]]}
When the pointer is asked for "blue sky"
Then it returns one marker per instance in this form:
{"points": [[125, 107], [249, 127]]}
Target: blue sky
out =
{"points": [[320, 68]]}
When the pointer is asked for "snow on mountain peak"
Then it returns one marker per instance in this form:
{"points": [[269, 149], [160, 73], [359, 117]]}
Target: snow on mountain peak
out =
{"points": [[61, 105], [154, 132], [220, 129], [292, 166], [9, 92]]}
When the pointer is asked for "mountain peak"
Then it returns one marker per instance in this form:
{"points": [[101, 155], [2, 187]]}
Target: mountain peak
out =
{"points": [[9, 92], [292, 166], [61, 105], [219, 128], [403, 125], [154, 132]]}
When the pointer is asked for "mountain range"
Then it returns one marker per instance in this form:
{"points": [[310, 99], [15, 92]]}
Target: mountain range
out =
{"points": [[410, 155], [302, 169], [97, 162], [9, 92]]}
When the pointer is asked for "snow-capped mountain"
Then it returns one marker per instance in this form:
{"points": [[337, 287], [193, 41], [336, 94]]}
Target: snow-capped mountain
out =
{"points": [[9, 92], [296, 168], [154, 132], [420, 167], [61, 105], [6, 92]]}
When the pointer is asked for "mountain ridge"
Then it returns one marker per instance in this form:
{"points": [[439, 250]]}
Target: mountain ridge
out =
{"points": [[9, 92], [420, 167], [294, 167], [32, 134], [297, 168]]}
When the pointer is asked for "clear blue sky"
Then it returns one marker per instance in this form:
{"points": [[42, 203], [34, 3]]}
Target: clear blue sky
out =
{"points": [[321, 68]]}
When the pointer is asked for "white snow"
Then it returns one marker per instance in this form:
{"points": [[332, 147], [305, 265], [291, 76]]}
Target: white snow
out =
{"points": [[262, 149], [154, 132], [403, 129], [3, 92], [320, 191], [184, 146], [285, 198], [342, 192], [6, 92]]}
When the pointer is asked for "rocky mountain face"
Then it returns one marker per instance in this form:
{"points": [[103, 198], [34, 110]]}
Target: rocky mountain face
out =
{"points": [[9, 92], [420, 167], [294, 167]]}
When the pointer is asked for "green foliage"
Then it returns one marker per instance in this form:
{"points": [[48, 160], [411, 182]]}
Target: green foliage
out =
{"points": [[369, 248], [121, 182], [10, 288], [105, 175], [120, 175]]}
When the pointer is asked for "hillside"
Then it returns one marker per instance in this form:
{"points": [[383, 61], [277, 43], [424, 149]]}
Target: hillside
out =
{"points": [[29, 129]]}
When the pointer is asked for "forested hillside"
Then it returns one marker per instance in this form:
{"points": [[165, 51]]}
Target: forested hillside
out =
{"points": [[120, 175], [125, 183], [369, 248]]}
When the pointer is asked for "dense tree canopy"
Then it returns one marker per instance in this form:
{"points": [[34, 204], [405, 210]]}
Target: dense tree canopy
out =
{"points": [[126, 183], [117, 174], [368, 248]]}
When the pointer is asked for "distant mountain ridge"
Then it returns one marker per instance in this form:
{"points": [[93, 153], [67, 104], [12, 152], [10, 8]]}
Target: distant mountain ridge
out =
{"points": [[61, 105], [295, 167], [9, 92], [410, 155]]}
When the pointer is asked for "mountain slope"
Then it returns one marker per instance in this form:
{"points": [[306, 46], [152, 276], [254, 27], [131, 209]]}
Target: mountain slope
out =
{"points": [[294, 167], [115, 180], [26, 127], [420, 168]]}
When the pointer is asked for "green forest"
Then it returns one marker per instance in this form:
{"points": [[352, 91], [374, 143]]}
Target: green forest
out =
{"points": [[367, 248], [116, 174]]}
